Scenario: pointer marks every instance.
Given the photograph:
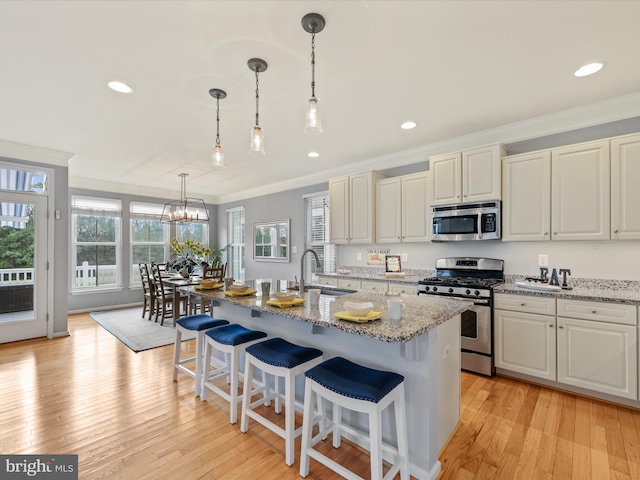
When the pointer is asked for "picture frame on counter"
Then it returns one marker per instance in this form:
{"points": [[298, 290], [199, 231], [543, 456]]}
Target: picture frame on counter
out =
{"points": [[392, 264]]}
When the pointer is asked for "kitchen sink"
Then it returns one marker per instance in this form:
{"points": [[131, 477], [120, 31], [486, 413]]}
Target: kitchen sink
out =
{"points": [[335, 291]]}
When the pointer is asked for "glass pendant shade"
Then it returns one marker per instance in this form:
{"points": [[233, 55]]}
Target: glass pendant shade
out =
{"points": [[257, 141], [218, 156], [313, 122]]}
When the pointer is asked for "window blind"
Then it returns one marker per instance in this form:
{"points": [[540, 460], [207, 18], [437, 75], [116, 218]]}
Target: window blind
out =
{"points": [[316, 220], [99, 207], [145, 211]]}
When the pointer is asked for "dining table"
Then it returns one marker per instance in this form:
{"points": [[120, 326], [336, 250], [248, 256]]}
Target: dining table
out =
{"points": [[176, 282]]}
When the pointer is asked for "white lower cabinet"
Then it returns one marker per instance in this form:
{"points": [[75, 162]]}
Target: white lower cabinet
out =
{"points": [[403, 288], [598, 356], [590, 345], [328, 281], [374, 286], [349, 283], [525, 343]]}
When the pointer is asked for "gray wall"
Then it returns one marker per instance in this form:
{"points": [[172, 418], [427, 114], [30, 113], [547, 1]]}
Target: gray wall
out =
{"points": [[59, 258], [277, 206], [85, 301]]}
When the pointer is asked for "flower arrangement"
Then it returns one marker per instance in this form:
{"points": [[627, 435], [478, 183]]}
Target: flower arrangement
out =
{"points": [[189, 254]]}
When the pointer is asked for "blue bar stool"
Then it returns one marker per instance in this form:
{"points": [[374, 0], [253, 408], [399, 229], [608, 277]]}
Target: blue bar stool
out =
{"points": [[192, 326], [230, 340], [361, 389], [283, 360]]}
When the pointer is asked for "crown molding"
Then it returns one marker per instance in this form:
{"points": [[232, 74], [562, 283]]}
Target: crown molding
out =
{"points": [[31, 153]]}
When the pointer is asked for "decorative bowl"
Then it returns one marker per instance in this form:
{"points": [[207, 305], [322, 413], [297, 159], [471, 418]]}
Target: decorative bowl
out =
{"points": [[207, 282], [358, 309], [238, 287], [284, 296]]}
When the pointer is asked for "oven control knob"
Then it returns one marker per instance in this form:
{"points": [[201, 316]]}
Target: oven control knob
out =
{"points": [[450, 290], [467, 292], [435, 289], [426, 289], [477, 293]]}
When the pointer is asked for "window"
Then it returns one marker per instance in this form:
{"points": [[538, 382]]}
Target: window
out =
{"points": [[316, 220], [96, 243], [149, 237], [198, 232], [235, 239]]}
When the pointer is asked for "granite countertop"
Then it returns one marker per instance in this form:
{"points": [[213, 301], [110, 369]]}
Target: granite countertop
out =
{"points": [[421, 313], [616, 291], [378, 273]]}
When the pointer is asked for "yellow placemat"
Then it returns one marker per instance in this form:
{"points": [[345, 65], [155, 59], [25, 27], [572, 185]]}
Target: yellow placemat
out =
{"points": [[366, 318], [286, 303], [212, 287], [229, 293]]}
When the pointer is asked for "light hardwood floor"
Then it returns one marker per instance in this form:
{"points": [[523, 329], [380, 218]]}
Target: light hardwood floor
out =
{"points": [[126, 419]]}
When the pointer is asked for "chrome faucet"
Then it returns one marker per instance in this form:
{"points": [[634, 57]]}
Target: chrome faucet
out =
{"points": [[318, 264]]}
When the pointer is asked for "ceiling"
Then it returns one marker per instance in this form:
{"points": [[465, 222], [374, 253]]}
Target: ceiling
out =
{"points": [[453, 67]]}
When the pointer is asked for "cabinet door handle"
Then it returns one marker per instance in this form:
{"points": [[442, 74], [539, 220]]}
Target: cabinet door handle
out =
{"points": [[546, 233], [522, 304], [615, 231], [551, 325], [555, 233], [560, 326], [593, 311]]}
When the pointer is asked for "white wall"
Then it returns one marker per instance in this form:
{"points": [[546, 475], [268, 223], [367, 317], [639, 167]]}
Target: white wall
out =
{"points": [[607, 260]]}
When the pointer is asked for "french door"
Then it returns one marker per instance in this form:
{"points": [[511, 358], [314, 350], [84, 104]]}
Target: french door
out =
{"points": [[23, 266]]}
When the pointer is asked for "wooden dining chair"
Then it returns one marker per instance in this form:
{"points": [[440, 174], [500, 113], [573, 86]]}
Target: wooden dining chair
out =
{"points": [[197, 302], [147, 290], [164, 297]]}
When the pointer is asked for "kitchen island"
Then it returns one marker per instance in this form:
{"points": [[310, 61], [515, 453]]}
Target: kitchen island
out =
{"points": [[424, 347]]}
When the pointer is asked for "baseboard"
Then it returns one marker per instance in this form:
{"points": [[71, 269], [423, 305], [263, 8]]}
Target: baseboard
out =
{"points": [[108, 307]]}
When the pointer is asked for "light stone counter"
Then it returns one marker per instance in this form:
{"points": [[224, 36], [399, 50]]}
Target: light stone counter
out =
{"points": [[616, 291]]}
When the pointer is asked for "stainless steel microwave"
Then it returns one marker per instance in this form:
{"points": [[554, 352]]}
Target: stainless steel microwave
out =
{"points": [[466, 221]]}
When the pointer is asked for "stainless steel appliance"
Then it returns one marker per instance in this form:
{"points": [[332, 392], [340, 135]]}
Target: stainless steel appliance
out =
{"points": [[466, 221], [470, 278]]}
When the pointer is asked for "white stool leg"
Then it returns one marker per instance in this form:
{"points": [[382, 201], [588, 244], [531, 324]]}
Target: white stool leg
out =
{"points": [[290, 417], [277, 386], [307, 426], [337, 418], [401, 428], [246, 394], [199, 352], [176, 353], [205, 372], [375, 444], [233, 359]]}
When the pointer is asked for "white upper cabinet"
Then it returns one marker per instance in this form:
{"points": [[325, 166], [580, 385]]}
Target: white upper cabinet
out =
{"points": [[402, 205], [526, 197], [625, 187], [580, 197], [469, 176], [352, 208]]}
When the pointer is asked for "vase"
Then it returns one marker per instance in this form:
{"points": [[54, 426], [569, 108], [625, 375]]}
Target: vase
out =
{"points": [[184, 272]]}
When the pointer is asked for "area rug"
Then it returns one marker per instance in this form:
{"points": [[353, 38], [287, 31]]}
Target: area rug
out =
{"points": [[134, 331]]}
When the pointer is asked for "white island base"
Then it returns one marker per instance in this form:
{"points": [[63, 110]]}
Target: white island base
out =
{"points": [[430, 363]]}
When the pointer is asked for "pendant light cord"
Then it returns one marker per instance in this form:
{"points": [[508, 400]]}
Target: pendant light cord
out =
{"points": [[218, 120], [313, 63], [257, 98]]}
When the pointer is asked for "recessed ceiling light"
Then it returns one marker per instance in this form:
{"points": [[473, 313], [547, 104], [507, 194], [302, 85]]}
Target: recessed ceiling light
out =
{"points": [[408, 125], [589, 69], [313, 154], [120, 87]]}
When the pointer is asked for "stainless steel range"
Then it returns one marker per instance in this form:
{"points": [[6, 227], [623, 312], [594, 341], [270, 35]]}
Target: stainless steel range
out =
{"points": [[470, 278]]}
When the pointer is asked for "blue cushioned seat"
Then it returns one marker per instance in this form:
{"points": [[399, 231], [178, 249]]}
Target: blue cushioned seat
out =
{"points": [[352, 380], [200, 322], [280, 353], [234, 334]]}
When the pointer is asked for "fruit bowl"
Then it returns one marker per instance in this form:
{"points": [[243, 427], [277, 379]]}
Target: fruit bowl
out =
{"points": [[358, 309], [284, 296]]}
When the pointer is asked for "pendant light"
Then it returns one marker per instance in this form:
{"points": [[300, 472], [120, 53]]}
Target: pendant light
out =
{"points": [[218, 154], [184, 210], [257, 65], [313, 23]]}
